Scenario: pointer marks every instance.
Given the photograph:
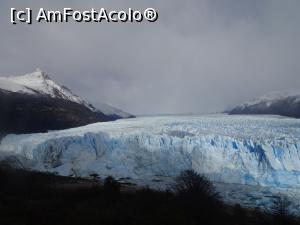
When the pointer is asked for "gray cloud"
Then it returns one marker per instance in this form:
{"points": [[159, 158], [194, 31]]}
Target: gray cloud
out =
{"points": [[200, 56]]}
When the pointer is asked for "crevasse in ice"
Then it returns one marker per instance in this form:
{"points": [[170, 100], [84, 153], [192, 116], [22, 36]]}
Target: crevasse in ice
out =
{"points": [[263, 150]]}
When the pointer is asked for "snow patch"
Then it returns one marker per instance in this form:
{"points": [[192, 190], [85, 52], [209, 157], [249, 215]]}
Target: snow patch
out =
{"points": [[272, 97], [39, 83]]}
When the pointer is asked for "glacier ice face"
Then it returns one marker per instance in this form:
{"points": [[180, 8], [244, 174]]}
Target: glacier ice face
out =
{"points": [[256, 150]]}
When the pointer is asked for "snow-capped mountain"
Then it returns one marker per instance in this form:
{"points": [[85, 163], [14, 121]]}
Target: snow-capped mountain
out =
{"points": [[34, 103], [285, 103], [112, 111], [38, 83]]}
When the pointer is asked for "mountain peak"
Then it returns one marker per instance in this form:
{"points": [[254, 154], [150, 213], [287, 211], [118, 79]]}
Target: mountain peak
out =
{"points": [[39, 83], [274, 96], [38, 74], [284, 103], [39, 70]]}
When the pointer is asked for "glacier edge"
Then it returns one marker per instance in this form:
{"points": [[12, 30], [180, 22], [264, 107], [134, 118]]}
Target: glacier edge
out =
{"points": [[231, 149]]}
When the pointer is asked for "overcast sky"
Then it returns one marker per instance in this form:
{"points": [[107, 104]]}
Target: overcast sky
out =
{"points": [[200, 56]]}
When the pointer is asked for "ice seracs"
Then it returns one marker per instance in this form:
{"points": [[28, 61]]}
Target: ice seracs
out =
{"points": [[248, 150], [249, 158]]}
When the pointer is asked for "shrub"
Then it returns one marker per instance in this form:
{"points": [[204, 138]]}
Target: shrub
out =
{"points": [[197, 198], [190, 182]]}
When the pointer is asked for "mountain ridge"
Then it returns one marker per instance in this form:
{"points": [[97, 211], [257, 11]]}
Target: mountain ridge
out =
{"points": [[283, 103], [35, 103]]}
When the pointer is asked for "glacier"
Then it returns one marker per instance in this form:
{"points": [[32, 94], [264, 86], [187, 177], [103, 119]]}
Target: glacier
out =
{"points": [[251, 150]]}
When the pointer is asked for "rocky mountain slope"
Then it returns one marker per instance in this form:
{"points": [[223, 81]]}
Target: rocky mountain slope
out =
{"points": [[35, 103], [277, 103]]}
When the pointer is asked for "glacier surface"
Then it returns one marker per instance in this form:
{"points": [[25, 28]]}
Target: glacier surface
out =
{"points": [[252, 150]]}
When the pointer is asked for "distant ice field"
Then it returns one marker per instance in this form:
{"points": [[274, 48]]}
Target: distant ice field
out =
{"points": [[260, 127]]}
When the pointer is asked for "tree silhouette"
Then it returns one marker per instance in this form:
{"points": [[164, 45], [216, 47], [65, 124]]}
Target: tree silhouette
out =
{"points": [[197, 198], [191, 182]]}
